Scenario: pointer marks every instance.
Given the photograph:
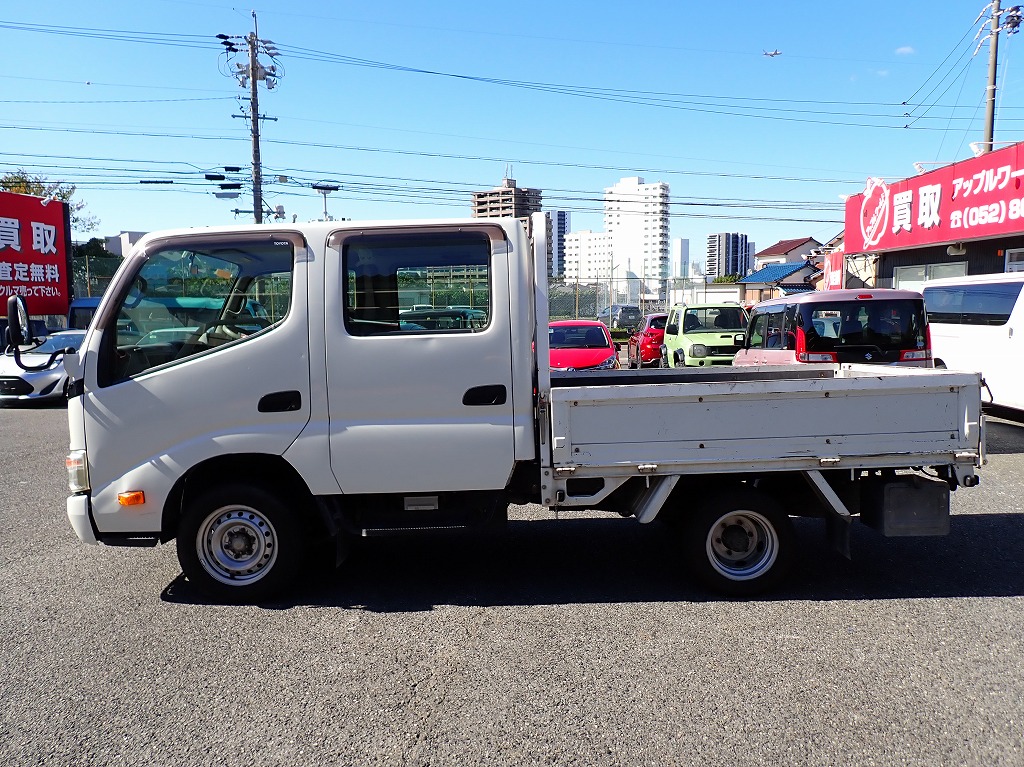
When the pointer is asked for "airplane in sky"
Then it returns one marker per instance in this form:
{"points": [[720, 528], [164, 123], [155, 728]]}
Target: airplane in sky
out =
{"points": [[773, 54]]}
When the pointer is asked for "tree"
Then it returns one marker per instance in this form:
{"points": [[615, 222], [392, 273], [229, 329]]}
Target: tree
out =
{"points": [[92, 266], [21, 182], [726, 278]]}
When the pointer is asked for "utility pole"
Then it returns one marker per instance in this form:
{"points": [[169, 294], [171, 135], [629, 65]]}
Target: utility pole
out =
{"points": [[1010, 24], [990, 96], [249, 76], [254, 106]]}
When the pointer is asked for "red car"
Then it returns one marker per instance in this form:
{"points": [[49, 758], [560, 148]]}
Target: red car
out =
{"points": [[581, 345], [645, 343]]}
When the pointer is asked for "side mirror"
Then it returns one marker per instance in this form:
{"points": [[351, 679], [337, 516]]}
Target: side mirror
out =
{"points": [[672, 329], [739, 339], [19, 329]]}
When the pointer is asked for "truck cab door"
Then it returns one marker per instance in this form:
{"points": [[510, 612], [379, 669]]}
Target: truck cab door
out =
{"points": [[423, 404]]}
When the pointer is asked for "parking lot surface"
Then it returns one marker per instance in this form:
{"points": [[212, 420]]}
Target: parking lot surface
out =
{"points": [[575, 641]]}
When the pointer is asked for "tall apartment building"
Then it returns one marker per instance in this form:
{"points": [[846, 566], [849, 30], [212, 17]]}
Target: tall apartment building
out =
{"points": [[681, 265], [506, 201], [729, 253], [560, 225], [636, 216], [511, 201]]}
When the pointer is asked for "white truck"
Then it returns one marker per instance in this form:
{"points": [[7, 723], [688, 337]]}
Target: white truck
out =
{"points": [[259, 442]]}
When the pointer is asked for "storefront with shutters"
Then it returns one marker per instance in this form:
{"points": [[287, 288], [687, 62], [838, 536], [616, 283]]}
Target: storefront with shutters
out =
{"points": [[960, 219]]}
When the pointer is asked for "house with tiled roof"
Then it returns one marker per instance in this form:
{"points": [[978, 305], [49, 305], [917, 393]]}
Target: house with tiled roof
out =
{"points": [[785, 252], [776, 280]]}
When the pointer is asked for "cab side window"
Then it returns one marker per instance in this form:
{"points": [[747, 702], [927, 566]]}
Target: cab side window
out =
{"points": [[188, 301]]}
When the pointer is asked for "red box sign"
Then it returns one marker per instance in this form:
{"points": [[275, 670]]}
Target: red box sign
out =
{"points": [[34, 263], [968, 200]]}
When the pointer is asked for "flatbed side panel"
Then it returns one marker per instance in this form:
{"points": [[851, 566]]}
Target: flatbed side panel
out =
{"points": [[780, 424]]}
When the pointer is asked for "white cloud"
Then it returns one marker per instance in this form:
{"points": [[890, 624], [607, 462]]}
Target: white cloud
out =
{"points": [[905, 50], [882, 72]]}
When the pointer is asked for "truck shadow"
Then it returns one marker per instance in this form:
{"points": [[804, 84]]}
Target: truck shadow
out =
{"points": [[605, 560], [1005, 434]]}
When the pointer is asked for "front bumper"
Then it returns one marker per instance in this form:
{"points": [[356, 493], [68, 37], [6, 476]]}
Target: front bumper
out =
{"points": [[80, 517]]}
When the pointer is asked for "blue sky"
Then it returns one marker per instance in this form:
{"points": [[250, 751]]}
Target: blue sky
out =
{"points": [[409, 106]]}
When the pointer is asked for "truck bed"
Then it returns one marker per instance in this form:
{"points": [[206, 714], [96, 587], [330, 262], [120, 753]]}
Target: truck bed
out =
{"points": [[782, 418]]}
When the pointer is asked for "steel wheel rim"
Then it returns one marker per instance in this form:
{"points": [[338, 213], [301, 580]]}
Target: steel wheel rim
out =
{"points": [[742, 545], [237, 545]]}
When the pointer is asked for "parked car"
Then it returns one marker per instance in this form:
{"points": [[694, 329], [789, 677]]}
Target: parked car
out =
{"points": [[581, 345], [971, 324], [645, 343], [49, 383], [880, 326], [620, 316], [81, 311], [699, 335], [445, 319]]}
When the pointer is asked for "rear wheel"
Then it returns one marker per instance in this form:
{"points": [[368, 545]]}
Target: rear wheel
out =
{"points": [[240, 543], [739, 543]]}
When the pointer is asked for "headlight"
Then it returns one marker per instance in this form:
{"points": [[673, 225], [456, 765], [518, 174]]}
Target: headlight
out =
{"points": [[611, 362], [77, 464], [698, 350]]}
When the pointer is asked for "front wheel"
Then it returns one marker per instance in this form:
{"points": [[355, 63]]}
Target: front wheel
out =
{"points": [[739, 543], [239, 543]]}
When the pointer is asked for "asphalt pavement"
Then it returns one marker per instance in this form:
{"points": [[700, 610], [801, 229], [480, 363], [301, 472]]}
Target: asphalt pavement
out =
{"points": [[576, 641]]}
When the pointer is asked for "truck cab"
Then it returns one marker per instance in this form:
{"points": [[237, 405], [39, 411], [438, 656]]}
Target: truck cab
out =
{"points": [[703, 335]]}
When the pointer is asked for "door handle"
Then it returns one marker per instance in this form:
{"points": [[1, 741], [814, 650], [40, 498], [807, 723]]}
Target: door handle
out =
{"points": [[491, 394], [280, 402]]}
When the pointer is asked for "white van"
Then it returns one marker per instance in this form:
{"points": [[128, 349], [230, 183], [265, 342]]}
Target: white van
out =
{"points": [[977, 324], [878, 326]]}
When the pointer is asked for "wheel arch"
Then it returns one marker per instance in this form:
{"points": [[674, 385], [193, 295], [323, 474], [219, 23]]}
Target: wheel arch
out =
{"points": [[252, 468]]}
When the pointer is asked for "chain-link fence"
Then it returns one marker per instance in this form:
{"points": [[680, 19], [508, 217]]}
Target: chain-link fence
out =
{"points": [[573, 301]]}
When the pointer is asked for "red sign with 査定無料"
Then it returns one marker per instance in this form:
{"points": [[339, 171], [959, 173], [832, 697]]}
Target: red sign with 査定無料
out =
{"points": [[968, 200], [34, 243]]}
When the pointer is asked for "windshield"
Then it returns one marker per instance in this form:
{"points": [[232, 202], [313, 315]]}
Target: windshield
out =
{"points": [[578, 337], [712, 319]]}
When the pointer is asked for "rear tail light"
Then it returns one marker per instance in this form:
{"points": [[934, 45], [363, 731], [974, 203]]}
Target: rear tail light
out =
{"points": [[915, 354], [802, 355]]}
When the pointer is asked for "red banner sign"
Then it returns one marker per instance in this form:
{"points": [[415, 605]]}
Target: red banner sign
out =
{"points": [[834, 268], [34, 262], [968, 200]]}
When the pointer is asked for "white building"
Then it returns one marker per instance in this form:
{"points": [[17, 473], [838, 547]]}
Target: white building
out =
{"points": [[588, 256], [636, 215]]}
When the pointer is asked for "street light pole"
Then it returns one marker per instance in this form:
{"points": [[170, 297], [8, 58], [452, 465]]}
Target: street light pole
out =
{"points": [[325, 189]]}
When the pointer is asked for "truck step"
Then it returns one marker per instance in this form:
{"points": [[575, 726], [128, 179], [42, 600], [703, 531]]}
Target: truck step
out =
{"points": [[381, 532]]}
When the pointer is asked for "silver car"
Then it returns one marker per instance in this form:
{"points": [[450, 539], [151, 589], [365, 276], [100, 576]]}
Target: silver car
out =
{"points": [[49, 383]]}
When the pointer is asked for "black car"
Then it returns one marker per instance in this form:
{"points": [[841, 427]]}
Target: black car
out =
{"points": [[620, 316]]}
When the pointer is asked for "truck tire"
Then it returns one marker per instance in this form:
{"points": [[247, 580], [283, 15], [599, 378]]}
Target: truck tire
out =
{"points": [[739, 543], [240, 543]]}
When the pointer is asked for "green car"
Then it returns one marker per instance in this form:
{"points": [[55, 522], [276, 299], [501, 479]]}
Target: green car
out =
{"points": [[700, 335]]}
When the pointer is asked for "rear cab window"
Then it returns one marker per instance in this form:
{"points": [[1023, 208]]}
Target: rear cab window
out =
{"points": [[430, 283]]}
